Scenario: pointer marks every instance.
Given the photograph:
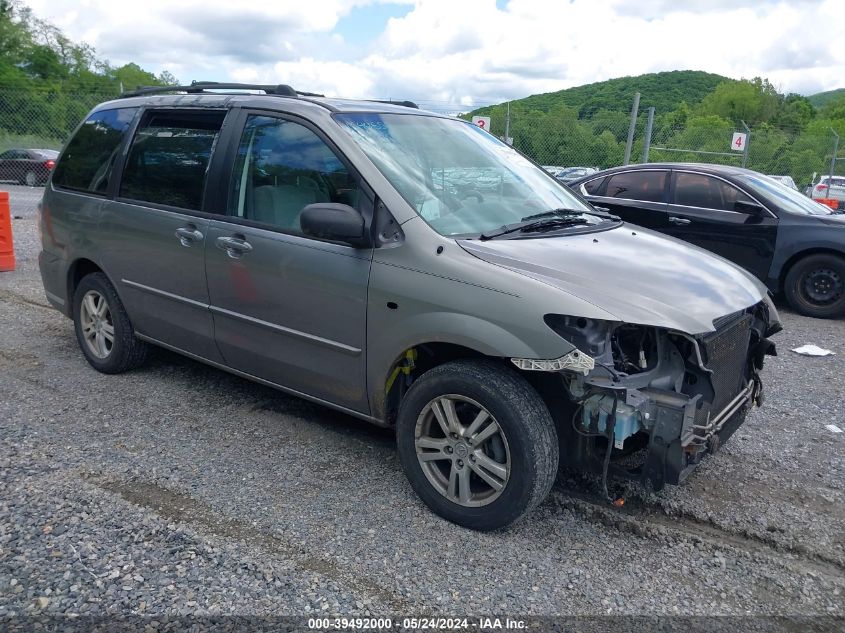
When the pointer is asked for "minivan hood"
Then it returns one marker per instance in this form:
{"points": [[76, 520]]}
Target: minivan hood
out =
{"points": [[635, 274]]}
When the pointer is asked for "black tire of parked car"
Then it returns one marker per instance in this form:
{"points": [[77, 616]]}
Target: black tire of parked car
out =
{"points": [[127, 352], [525, 422], [815, 286], [30, 179]]}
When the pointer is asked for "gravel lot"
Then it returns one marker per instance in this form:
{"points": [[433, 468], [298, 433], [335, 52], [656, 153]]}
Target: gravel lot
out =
{"points": [[179, 489]]}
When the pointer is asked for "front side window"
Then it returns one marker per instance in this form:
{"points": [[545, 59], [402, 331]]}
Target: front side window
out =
{"points": [[86, 164], [460, 179], [701, 190], [648, 186], [282, 167], [169, 157]]}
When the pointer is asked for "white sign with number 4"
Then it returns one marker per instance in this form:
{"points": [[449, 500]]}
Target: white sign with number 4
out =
{"points": [[482, 121], [738, 142]]}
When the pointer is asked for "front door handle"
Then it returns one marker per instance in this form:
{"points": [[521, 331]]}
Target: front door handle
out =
{"points": [[188, 235], [679, 221], [235, 247]]}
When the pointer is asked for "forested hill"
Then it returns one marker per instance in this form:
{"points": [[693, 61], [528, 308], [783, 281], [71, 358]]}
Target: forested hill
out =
{"points": [[665, 91], [821, 99]]}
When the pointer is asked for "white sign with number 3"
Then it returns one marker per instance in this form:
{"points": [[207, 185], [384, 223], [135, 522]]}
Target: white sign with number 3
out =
{"points": [[738, 142]]}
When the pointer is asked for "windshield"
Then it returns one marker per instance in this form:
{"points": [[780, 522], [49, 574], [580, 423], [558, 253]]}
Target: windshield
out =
{"points": [[458, 178], [787, 199]]}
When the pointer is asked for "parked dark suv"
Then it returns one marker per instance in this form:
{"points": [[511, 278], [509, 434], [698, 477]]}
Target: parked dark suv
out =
{"points": [[406, 268], [794, 245]]}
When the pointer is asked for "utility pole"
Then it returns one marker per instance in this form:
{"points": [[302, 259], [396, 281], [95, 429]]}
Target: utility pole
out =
{"points": [[647, 140], [634, 111]]}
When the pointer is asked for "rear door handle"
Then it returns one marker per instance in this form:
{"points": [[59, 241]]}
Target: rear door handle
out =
{"points": [[679, 221], [188, 235], [235, 247]]}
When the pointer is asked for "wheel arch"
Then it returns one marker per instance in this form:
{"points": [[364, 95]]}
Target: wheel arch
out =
{"points": [[77, 270], [796, 257]]}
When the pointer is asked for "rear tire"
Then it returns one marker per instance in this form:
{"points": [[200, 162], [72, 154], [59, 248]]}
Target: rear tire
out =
{"points": [[815, 286], [485, 475], [103, 329]]}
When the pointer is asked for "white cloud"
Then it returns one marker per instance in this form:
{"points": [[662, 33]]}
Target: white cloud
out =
{"points": [[466, 51]]}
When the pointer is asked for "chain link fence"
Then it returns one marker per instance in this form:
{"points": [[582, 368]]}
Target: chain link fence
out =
{"points": [[42, 119], [563, 140]]}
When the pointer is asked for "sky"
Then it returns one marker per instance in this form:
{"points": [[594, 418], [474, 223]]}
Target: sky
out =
{"points": [[465, 52]]}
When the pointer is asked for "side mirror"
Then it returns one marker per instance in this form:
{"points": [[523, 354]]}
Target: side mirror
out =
{"points": [[751, 208], [335, 222]]}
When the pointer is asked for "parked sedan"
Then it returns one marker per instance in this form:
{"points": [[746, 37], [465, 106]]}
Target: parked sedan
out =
{"points": [[27, 166], [571, 174], [786, 240]]}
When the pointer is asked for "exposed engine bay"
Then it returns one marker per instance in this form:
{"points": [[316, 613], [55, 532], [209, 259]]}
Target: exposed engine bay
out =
{"points": [[667, 396]]}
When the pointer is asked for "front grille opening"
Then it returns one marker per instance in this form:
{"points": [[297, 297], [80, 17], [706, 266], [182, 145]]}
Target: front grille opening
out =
{"points": [[726, 352]]}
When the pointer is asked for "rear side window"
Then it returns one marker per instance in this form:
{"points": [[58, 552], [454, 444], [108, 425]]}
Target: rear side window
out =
{"points": [[169, 156], [648, 186], [86, 164], [700, 190], [593, 187]]}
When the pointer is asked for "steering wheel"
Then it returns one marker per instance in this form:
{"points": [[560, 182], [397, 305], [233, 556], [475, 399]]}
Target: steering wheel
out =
{"points": [[473, 193]]}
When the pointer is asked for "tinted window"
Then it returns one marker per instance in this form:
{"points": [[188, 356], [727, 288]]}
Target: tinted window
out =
{"points": [[700, 190], [87, 161], [593, 186], [637, 185], [282, 167], [169, 156]]}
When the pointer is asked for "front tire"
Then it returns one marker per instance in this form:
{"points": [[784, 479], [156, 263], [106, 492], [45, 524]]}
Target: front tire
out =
{"points": [[103, 329], [815, 286], [477, 443]]}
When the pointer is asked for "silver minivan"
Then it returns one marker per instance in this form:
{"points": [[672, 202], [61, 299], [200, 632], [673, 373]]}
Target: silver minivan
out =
{"points": [[406, 268]]}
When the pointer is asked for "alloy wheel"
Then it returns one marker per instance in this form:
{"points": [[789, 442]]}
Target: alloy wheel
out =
{"points": [[462, 450], [97, 326]]}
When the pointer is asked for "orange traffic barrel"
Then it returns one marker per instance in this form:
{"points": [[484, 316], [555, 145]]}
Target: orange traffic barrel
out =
{"points": [[7, 248], [833, 203]]}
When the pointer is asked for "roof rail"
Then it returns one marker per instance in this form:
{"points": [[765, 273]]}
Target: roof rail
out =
{"points": [[407, 104], [281, 90]]}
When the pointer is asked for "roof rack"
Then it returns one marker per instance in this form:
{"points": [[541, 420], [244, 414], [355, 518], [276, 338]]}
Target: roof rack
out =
{"points": [[281, 90], [407, 104]]}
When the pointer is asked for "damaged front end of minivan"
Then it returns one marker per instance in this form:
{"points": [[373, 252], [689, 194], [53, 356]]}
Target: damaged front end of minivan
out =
{"points": [[648, 403]]}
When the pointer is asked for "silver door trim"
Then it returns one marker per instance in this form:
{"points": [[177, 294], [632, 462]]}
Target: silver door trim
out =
{"points": [[268, 383], [164, 293], [311, 338]]}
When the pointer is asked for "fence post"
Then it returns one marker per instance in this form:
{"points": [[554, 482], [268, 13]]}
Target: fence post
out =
{"points": [[508, 124], [747, 142], [647, 139], [833, 160], [634, 111]]}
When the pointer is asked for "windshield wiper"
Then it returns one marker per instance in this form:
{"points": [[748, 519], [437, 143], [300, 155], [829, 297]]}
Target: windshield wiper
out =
{"points": [[551, 213], [545, 223]]}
